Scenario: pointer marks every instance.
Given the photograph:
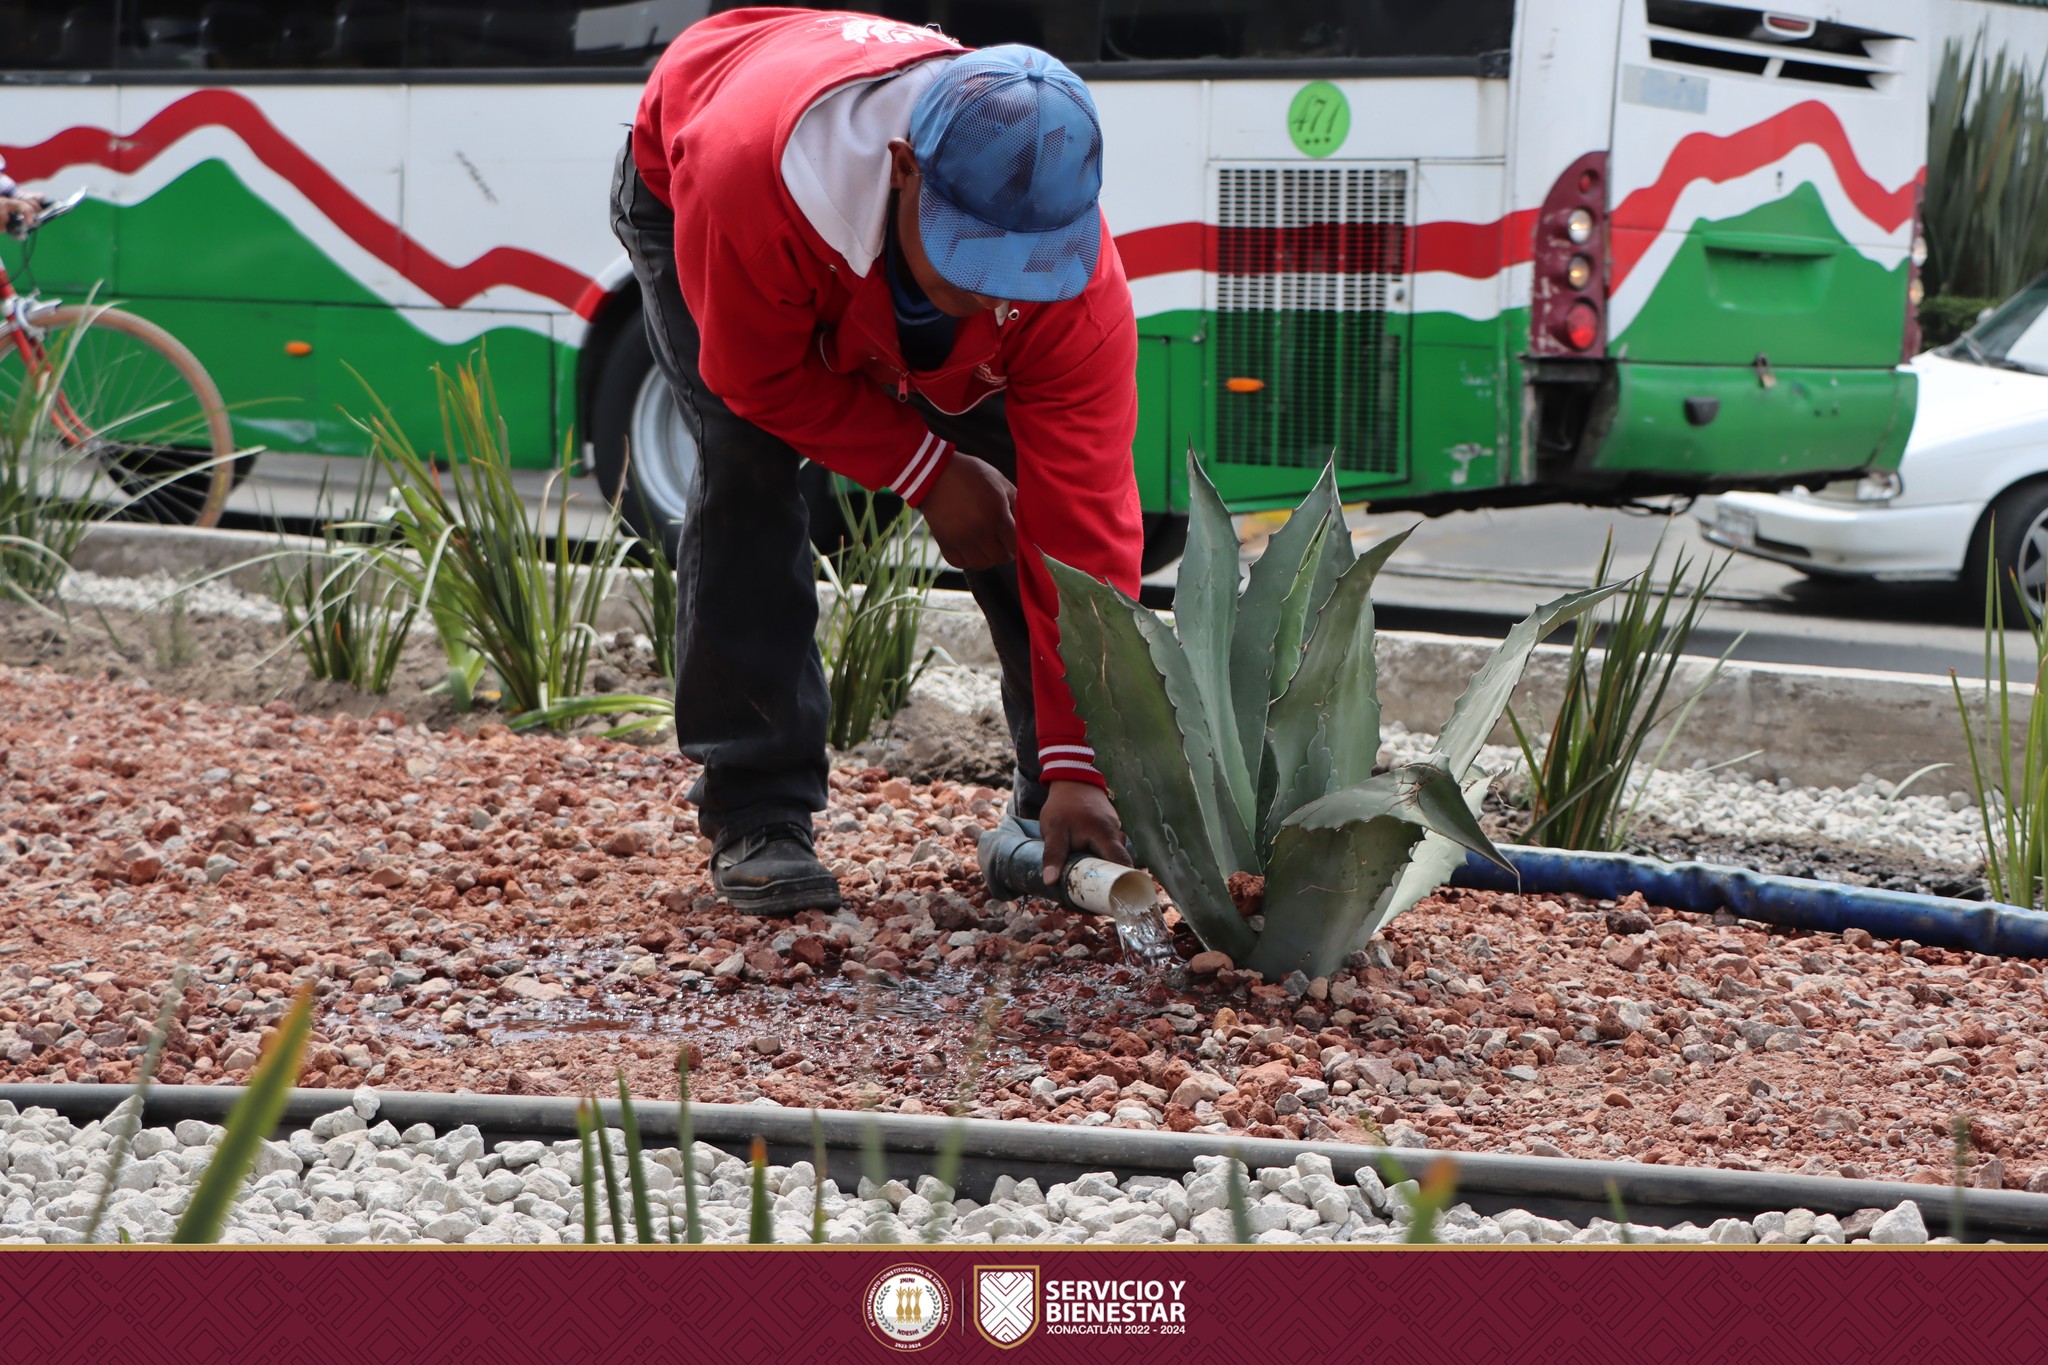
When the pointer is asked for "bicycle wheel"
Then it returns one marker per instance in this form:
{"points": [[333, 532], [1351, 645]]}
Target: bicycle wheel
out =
{"points": [[134, 401]]}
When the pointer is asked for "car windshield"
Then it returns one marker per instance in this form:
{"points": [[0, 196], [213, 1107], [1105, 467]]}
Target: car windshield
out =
{"points": [[2015, 336]]}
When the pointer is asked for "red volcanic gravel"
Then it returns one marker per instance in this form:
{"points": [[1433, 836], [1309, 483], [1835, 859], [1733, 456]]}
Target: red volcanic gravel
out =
{"points": [[525, 914]]}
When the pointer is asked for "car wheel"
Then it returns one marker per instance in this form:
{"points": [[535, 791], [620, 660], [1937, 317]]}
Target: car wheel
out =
{"points": [[2013, 540], [644, 453]]}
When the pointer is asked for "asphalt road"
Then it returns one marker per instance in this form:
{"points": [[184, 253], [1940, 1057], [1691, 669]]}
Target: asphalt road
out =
{"points": [[1471, 573], [1476, 573]]}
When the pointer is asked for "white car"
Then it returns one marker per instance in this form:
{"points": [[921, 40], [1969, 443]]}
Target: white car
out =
{"points": [[1973, 481]]}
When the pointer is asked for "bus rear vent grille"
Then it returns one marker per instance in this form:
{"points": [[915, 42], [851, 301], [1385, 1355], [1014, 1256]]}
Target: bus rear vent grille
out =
{"points": [[1308, 262]]}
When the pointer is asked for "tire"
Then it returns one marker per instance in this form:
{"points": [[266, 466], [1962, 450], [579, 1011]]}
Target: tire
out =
{"points": [[1166, 538], [134, 400], [642, 451], [633, 410], [2013, 540]]}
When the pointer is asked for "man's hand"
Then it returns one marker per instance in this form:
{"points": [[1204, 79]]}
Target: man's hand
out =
{"points": [[1078, 818], [972, 513], [18, 210]]}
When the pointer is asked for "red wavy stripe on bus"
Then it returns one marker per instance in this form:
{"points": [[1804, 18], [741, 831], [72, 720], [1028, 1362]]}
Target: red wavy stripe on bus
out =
{"points": [[449, 285], [1721, 157], [1475, 250]]}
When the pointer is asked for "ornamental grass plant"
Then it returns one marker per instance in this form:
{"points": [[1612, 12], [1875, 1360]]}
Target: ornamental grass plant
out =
{"points": [[881, 577], [503, 587], [345, 608], [1579, 788], [2009, 757], [43, 511], [1985, 206]]}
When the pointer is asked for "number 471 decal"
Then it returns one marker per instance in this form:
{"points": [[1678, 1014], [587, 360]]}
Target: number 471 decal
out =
{"points": [[1319, 118]]}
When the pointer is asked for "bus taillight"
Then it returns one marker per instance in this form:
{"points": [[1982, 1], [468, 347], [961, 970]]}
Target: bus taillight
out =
{"points": [[1569, 293]]}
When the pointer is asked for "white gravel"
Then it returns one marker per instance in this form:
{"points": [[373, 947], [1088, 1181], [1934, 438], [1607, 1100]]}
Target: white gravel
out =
{"points": [[1942, 828], [352, 1177], [967, 688], [156, 591]]}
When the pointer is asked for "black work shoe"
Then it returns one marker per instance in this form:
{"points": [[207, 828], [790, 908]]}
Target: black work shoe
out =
{"points": [[773, 871]]}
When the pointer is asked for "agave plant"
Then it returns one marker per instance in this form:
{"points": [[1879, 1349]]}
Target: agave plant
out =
{"points": [[1243, 737]]}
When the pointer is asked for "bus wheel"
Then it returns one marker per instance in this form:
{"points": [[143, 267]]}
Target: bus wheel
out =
{"points": [[1166, 536], [644, 454], [2014, 538]]}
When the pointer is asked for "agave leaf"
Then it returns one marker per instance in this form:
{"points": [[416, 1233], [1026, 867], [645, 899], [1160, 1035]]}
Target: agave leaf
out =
{"points": [[1336, 860], [1430, 864], [1205, 616], [1319, 886], [1133, 687], [1276, 592], [1335, 554], [1486, 696], [1421, 793], [1324, 731]]}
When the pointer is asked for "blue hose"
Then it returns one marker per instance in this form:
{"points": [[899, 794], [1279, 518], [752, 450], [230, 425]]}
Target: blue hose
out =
{"points": [[1702, 888]]}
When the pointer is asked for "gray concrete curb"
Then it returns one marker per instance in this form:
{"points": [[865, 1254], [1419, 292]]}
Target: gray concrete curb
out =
{"points": [[991, 1147], [1817, 726]]}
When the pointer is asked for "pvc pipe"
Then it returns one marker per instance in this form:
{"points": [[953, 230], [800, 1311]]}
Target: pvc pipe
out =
{"points": [[1104, 888], [1488, 1180], [1012, 856], [1702, 888]]}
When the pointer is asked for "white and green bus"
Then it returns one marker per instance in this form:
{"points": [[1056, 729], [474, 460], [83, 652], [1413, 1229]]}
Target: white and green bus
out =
{"points": [[1481, 251]]}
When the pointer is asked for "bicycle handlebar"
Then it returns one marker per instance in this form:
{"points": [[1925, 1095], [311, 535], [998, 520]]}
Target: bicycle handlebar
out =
{"points": [[20, 225]]}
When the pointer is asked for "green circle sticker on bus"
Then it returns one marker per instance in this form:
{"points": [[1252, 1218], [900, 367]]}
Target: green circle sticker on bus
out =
{"points": [[1319, 118]]}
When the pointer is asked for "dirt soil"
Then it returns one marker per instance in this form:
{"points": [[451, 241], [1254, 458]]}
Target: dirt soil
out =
{"points": [[526, 914]]}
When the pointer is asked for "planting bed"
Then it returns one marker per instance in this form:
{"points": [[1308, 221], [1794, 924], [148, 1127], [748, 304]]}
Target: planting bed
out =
{"points": [[526, 914]]}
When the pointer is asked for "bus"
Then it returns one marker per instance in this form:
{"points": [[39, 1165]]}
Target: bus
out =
{"points": [[1474, 251]]}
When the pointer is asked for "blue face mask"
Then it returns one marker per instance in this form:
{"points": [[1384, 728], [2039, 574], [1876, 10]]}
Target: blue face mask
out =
{"points": [[924, 333]]}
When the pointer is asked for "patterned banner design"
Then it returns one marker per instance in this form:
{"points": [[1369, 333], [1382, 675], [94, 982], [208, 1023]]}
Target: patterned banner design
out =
{"points": [[737, 1306]]}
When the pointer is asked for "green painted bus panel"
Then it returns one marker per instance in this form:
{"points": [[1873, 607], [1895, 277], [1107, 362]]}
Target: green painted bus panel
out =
{"points": [[1150, 447], [1807, 420], [1777, 280], [522, 365], [1461, 420], [299, 404], [269, 394], [69, 258], [1454, 423], [206, 235], [1187, 408]]}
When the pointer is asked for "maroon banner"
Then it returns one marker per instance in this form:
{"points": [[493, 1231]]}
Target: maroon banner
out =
{"points": [[501, 1307]]}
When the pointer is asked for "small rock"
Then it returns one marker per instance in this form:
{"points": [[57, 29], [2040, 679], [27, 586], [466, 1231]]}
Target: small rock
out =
{"points": [[1902, 1226], [1859, 1223], [1731, 1232], [1209, 963]]}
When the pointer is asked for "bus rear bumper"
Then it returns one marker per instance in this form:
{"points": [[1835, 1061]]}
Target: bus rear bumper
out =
{"points": [[1715, 427]]}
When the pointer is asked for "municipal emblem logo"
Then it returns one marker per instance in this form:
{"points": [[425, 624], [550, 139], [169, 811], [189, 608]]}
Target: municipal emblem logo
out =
{"points": [[907, 1307], [1006, 1303]]}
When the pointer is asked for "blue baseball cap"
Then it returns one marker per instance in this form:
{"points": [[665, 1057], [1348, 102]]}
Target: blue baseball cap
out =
{"points": [[1011, 152]]}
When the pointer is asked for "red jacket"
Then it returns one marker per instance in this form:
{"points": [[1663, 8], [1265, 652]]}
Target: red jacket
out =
{"points": [[797, 344]]}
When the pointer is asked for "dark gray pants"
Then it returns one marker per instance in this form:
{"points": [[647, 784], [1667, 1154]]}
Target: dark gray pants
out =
{"points": [[751, 703]]}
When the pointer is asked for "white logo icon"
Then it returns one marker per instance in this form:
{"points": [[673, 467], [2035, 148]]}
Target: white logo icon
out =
{"points": [[882, 31], [1006, 1303]]}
